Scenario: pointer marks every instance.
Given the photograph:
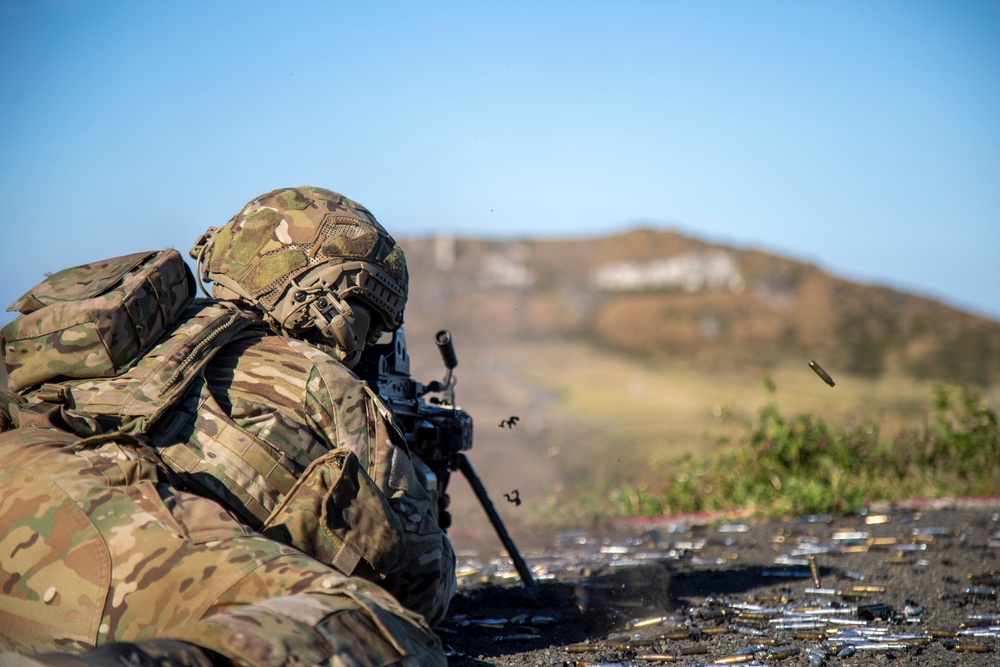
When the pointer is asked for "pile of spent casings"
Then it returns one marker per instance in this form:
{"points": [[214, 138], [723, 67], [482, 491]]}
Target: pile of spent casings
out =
{"points": [[721, 603]]}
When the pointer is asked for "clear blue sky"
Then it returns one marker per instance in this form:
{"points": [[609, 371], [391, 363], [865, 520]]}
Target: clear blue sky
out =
{"points": [[862, 136]]}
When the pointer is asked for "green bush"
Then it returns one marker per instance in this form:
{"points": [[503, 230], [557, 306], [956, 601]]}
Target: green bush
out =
{"points": [[801, 465]]}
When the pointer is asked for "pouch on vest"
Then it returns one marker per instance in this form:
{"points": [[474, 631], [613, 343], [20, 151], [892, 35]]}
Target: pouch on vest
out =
{"points": [[336, 514], [96, 319]]}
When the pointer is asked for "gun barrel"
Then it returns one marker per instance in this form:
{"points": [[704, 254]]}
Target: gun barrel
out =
{"points": [[446, 348]]}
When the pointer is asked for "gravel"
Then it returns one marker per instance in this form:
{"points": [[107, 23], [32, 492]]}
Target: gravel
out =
{"points": [[892, 586]]}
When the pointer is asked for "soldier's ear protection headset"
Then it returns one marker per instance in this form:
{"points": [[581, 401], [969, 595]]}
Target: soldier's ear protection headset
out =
{"points": [[318, 304]]}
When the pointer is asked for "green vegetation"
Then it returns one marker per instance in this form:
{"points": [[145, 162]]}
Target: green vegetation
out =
{"points": [[802, 465]]}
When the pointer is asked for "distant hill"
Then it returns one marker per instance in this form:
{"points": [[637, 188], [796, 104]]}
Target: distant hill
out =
{"points": [[662, 295], [659, 294]]}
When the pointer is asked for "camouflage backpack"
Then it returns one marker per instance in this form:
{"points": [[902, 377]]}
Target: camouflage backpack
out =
{"points": [[94, 320], [83, 331]]}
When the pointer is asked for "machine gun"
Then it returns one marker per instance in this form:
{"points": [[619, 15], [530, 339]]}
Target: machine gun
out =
{"points": [[437, 431]]}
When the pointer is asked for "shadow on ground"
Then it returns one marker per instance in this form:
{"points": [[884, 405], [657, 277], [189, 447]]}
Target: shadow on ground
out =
{"points": [[487, 621]]}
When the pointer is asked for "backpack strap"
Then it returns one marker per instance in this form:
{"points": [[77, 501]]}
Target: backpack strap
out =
{"points": [[8, 404], [136, 399]]}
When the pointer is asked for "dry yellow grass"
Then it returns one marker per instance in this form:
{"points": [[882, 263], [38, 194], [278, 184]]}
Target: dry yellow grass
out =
{"points": [[589, 419], [653, 413]]}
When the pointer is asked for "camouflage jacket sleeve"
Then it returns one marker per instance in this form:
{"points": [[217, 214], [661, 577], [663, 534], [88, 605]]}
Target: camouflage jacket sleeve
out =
{"points": [[358, 504]]}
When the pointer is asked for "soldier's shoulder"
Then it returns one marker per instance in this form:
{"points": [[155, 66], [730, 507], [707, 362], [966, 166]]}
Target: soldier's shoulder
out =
{"points": [[285, 355]]}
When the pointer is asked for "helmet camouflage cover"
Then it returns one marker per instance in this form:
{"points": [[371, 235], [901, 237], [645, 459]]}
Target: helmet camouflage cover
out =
{"points": [[285, 234]]}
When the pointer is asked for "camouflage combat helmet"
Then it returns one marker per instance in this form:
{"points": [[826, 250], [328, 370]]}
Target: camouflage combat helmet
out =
{"points": [[314, 263]]}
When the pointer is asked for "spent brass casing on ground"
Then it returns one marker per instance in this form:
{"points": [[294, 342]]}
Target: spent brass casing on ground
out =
{"points": [[630, 645], [777, 654], [658, 657], [868, 589], [968, 647], [671, 657], [582, 648]]}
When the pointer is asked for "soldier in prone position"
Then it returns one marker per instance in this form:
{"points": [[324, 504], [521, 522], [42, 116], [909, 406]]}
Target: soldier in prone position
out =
{"points": [[234, 494]]}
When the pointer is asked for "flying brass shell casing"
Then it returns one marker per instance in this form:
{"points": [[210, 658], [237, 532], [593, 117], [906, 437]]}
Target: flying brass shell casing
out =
{"points": [[814, 570], [822, 373]]}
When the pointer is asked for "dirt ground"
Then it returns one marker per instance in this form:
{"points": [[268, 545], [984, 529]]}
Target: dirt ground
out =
{"points": [[893, 586]]}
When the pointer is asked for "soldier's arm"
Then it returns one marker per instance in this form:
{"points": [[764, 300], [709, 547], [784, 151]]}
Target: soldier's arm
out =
{"points": [[423, 575], [366, 515]]}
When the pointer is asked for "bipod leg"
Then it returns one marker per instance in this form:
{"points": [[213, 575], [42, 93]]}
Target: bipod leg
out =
{"points": [[484, 499]]}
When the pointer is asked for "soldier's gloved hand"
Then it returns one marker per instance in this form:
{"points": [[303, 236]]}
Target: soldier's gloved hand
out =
{"points": [[144, 653]]}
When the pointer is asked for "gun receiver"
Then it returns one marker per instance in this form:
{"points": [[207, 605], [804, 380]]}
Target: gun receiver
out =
{"points": [[437, 431]]}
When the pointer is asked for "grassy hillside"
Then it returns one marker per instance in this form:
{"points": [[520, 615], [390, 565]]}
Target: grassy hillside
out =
{"points": [[663, 296], [615, 383]]}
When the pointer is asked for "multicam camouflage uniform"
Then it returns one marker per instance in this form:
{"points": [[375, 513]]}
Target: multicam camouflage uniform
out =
{"points": [[99, 547], [107, 546], [264, 395]]}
